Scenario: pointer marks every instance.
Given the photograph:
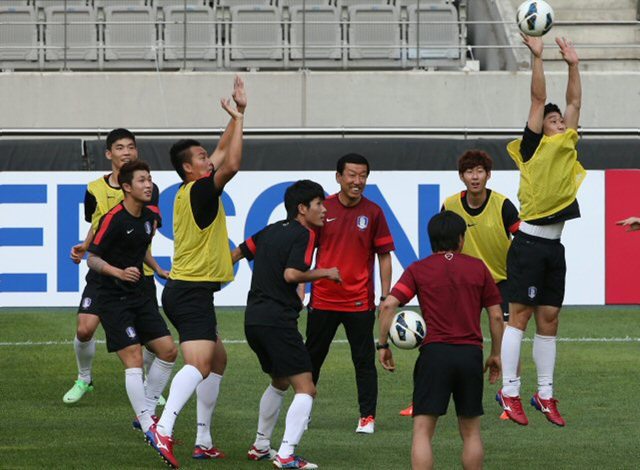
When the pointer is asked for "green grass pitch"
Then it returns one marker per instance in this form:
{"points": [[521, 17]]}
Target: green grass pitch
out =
{"points": [[596, 382]]}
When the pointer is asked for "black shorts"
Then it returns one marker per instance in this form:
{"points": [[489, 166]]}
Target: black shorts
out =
{"points": [[191, 311], [150, 289], [281, 351], [443, 370], [130, 320], [537, 270], [503, 286], [89, 300]]}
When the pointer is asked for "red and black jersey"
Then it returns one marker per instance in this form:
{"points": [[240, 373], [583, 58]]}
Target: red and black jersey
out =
{"points": [[272, 301], [349, 240], [452, 290], [122, 241]]}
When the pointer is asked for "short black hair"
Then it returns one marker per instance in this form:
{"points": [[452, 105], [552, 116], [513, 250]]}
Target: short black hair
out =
{"points": [[128, 169], [352, 158], [444, 230], [118, 134], [301, 192], [180, 154], [551, 108]]}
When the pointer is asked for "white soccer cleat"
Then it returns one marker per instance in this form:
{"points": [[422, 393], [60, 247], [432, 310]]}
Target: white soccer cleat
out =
{"points": [[366, 425]]}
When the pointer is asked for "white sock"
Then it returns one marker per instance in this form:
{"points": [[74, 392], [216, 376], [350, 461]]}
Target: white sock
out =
{"points": [[157, 377], [147, 358], [297, 418], [135, 391], [182, 387], [85, 352], [270, 406], [510, 356], [544, 355], [207, 393]]}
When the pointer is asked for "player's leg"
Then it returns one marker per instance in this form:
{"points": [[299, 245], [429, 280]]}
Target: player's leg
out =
{"points": [[207, 398], [359, 329], [260, 339], [424, 427], [321, 329], [472, 450], [158, 375]]}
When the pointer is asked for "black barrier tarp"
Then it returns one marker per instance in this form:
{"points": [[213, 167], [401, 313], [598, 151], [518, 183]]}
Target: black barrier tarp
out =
{"points": [[41, 155]]}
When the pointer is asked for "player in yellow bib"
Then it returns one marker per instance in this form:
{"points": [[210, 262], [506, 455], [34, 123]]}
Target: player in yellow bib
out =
{"points": [[550, 176], [201, 263]]}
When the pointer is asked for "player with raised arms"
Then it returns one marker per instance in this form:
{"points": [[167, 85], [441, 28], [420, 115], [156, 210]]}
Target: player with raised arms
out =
{"points": [[550, 176]]}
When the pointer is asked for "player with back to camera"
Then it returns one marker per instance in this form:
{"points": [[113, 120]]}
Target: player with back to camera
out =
{"points": [[101, 196], [128, 315], [282, 254], [201, 263], [491, 220], [354, 233], [550, 176], [452, 290]]}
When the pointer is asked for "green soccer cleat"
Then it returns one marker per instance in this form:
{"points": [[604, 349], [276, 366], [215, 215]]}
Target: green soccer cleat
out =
{"points": [[80, 387], [161, 401]]}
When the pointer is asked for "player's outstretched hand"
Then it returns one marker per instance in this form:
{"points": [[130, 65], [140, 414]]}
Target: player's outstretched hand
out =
{"points": [[386, 359], [632, 223], [130, 274], [77, 252], [534, 44], [494, 366], [239, 95], [163, 273], [569, 54], [234, 113], [334, 275]]}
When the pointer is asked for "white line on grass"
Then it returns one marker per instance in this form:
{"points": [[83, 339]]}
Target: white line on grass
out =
{"points": [[626, 339]]}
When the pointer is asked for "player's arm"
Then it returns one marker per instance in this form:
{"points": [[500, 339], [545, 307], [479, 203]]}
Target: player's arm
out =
{"points": [[236, 255], [387, 311], [240, 98], [78, 251], [384, 259], [302, 291], [496, 326], [538, 84], [150, 261], [574, 84], [295, 276], [229, 164], [632, 223], [130, 274]]}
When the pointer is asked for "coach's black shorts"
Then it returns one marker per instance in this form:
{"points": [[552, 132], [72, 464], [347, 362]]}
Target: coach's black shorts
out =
{"points": [[191, 311], [443, 370], [536, 269], [130, 320], [281, 351], [89, 300], [150, 289], [503, 286]]}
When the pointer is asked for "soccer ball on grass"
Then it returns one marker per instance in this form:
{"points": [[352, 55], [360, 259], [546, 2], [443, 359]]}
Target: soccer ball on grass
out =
{"points": [[534, 17], [408, 329]]}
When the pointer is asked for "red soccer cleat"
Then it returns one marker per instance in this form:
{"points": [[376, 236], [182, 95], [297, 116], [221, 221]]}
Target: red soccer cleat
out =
{"points": [[513, 407], [549, 408], [163, 445], [408, 411], [200, 453]]}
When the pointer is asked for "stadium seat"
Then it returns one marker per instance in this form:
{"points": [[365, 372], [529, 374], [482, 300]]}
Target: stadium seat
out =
{"points": [[322, 31], [243, 3], [255, 33], [436, 41], [81, 35], [299, 3], [173, 3], [130, 33], [59, 3], [353, 3], [201, 37], [18, 41], [374, 40], [119, 3]]}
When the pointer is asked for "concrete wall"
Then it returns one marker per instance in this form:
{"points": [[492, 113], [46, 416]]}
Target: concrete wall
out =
{"points": [[297, 99]]}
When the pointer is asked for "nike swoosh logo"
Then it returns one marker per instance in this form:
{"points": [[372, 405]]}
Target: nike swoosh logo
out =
{"points": [[471, 225], [129, 231], [331, 220]]}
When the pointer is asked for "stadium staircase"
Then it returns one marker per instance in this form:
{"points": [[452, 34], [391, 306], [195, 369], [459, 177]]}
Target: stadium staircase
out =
{"points": [[602, 47]]}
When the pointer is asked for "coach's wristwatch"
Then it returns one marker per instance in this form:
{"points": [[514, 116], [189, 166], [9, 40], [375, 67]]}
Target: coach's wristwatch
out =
{"points": [[382, 346]]}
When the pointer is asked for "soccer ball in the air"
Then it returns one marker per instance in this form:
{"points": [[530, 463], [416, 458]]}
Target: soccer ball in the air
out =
{"points": [[408, 329], [534, 17]]}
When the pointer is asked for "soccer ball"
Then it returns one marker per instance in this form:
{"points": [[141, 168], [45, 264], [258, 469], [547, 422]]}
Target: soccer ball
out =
{"points": [[534, 17], [408, 329]]}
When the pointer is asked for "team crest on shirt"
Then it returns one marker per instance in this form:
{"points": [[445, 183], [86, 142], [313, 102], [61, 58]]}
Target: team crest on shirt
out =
{"points": [[131, 332], [533, 291], [86, 302], [362, 222], [147, 227]]}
